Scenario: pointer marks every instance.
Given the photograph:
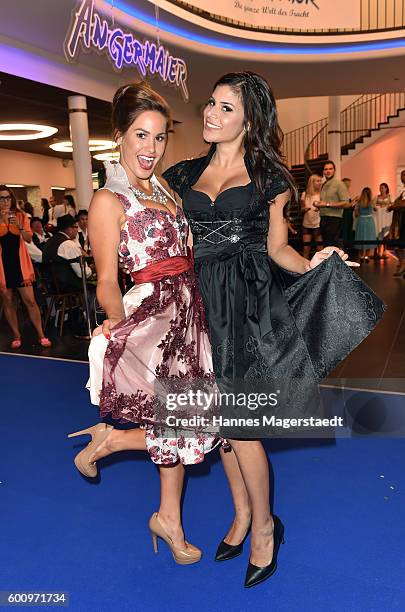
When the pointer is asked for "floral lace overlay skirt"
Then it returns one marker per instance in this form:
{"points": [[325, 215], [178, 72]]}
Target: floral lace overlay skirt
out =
{"points": [[163, 337]]}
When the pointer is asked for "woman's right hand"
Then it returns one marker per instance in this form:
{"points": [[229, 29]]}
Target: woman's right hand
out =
{"points": [[105, 328]]}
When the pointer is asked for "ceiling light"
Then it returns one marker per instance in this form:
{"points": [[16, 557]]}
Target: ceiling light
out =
{"points": [[59, 188], [37, 131], [94, 145], [15, 185], [111, 156]]}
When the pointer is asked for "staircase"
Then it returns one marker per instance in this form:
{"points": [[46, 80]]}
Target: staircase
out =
{"points": [[306, 149]]}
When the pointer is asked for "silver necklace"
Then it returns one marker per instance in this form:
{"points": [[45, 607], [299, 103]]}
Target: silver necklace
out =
{"points": [[156, 196], [159, 197]]}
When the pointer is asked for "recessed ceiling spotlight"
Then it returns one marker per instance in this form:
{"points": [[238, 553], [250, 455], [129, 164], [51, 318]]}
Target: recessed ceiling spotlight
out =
{"points": [[94, 145], [111, 156], [32, 131]]}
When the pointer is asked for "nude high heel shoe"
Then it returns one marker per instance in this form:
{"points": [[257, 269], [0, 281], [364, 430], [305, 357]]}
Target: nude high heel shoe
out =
{"points": [[190, 555], [98, 434]]}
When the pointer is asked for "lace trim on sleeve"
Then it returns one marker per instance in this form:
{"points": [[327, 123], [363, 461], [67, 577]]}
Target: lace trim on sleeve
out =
{"points": [[276, 183], [177, 176]]}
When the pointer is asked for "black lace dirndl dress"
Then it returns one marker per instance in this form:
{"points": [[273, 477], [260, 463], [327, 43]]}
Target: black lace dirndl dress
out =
{"points": [[271, 330]]}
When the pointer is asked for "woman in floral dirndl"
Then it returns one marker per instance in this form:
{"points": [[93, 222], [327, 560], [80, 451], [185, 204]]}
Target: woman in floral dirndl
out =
{"points": [[157, 331]]}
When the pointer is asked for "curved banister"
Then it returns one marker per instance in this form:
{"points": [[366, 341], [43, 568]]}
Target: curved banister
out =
{"points": [[363, 115], [318, 138]]}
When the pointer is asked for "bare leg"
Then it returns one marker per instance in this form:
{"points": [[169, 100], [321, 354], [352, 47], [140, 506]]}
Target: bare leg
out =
{"points": [[171, 487], [240, 499], [318, 239], [171, 479], [10, 313], [27, 294], [307, 247], [254, 467], [120, 440]]}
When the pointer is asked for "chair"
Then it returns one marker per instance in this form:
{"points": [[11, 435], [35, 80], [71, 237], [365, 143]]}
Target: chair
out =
{"points": [[63, 301]]}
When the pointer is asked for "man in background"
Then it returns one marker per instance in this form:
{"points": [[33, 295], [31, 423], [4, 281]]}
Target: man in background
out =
{"points": [[334, 198]]}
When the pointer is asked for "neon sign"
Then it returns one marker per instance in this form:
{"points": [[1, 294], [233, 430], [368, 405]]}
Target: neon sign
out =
{"points": [[122, 48]]}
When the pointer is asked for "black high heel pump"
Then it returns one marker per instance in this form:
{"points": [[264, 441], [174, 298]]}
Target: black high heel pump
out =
{"points": [[255, 574], [228, 551]]}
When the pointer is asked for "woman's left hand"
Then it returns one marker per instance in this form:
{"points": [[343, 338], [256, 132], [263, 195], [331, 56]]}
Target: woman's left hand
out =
{"points": [[320, 256]]}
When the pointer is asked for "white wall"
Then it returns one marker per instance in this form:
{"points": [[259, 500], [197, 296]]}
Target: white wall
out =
{"points": [[377, 164], [294, 113], [30, 169], [187, 138]]}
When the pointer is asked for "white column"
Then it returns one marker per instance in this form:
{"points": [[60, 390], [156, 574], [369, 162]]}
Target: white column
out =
{"points": [[79, 135], [334, 131]]}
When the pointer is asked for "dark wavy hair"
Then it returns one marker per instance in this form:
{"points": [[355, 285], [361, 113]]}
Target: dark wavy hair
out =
{"points": [[132, 100], [264, 137], [13, 206], [70, 199], [386, 187]]}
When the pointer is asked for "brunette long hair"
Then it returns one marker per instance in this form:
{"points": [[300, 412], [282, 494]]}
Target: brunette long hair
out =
{"points": [[264, 137]]}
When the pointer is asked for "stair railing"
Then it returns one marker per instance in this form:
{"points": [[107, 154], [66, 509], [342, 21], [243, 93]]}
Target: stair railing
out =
{"points": [[366, 113]]}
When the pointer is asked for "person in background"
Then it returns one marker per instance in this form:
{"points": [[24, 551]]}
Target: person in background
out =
{"points": [[61, 208], [312, 219], [365, 227], [334, 198], [39, 235], [28, 209], [383, 218], [397, 231], [59, 251], [70, 204], [82, 235], [62, 247], [16, 269], [348, 219], [45, 211], [34, 252]]}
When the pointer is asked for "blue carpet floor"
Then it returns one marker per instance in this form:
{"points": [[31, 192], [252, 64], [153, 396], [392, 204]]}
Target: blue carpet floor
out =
{"points": [[342, 503]]}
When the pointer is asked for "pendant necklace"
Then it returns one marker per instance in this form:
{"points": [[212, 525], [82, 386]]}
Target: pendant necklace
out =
{"points": [[159, 197]]}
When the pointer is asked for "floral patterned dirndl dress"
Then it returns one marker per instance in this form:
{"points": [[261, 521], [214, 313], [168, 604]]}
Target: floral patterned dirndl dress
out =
{"points": [[164, 333]]}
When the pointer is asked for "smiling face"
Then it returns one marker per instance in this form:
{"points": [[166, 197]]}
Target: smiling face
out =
{"points": [[143, 145], [224, 116]]}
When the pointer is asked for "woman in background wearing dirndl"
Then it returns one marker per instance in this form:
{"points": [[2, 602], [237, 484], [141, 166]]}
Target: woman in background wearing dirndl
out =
{"points": [[157, 331]]}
